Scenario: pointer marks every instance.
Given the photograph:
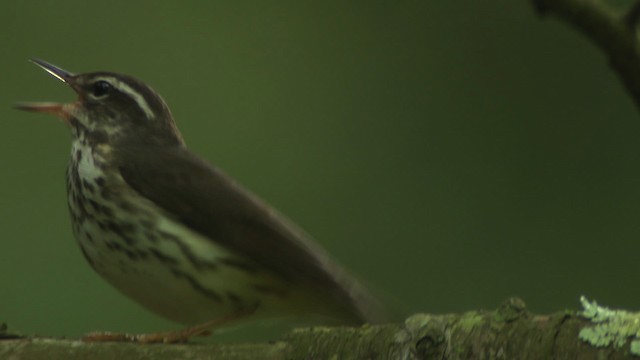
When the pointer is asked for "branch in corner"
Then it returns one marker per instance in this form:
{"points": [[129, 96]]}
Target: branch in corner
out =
{"points": [[633, 15], [614, 34]]}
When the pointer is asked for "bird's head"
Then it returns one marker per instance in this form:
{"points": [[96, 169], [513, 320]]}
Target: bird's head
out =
{"points": [[111, 108]]}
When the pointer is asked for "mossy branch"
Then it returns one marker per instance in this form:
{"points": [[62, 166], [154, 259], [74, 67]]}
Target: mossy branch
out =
{"points": [[510, 332]]}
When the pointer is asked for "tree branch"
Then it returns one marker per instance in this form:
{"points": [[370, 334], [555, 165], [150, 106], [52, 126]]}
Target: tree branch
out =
{"points": [[510, 332], [615, 35]]}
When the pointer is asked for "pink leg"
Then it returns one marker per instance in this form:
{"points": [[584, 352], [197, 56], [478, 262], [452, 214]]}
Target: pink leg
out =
{"points": [[169, 337]]}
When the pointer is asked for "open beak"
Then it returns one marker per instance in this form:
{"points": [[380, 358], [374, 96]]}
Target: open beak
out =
{"points": [[59, 110]]}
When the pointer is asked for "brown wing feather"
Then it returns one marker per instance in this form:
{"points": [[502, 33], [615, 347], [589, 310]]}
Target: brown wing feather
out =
{"points": [[211, 203]]}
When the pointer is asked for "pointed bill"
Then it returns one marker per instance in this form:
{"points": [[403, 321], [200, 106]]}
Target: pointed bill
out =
{"points": [[60, 74], [44, 107], [56, 109]]}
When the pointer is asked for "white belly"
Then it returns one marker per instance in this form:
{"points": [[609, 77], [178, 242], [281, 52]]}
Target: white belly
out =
{"points": [[156, 261]]}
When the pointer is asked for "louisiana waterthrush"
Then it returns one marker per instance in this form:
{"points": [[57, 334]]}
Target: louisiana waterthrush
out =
{"points": [[175, 233]]}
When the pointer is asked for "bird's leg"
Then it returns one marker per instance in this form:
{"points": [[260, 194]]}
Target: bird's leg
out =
{"points": [[169, 337]]}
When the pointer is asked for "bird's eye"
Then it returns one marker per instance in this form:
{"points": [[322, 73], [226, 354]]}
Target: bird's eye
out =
{"points": [[100, 88]]}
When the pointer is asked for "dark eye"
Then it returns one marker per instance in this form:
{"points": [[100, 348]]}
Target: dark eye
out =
{"points": [[100, 88]]}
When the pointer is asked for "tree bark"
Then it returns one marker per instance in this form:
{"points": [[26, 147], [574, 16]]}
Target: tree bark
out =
{"points": [[510, 332]]}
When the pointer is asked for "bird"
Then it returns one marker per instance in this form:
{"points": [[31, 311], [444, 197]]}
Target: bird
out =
{"points": [[175, 233]]}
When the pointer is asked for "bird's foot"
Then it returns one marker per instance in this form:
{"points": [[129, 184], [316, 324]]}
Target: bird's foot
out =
{"points": [[169, 337]]}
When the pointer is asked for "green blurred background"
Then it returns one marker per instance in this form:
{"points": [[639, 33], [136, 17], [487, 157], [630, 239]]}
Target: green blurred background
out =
{"points": [[451, 153]]}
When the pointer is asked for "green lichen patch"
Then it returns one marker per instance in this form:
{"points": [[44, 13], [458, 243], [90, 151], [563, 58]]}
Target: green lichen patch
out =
{"points": [[470, 320], [612, 327], [510, 310], [417, 322]]}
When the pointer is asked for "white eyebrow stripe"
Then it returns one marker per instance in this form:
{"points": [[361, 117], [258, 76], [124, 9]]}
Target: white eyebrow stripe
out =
{"points": [[142, 103]]}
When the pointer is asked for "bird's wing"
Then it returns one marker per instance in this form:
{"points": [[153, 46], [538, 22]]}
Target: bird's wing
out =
{"points": [[211, 203]]}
